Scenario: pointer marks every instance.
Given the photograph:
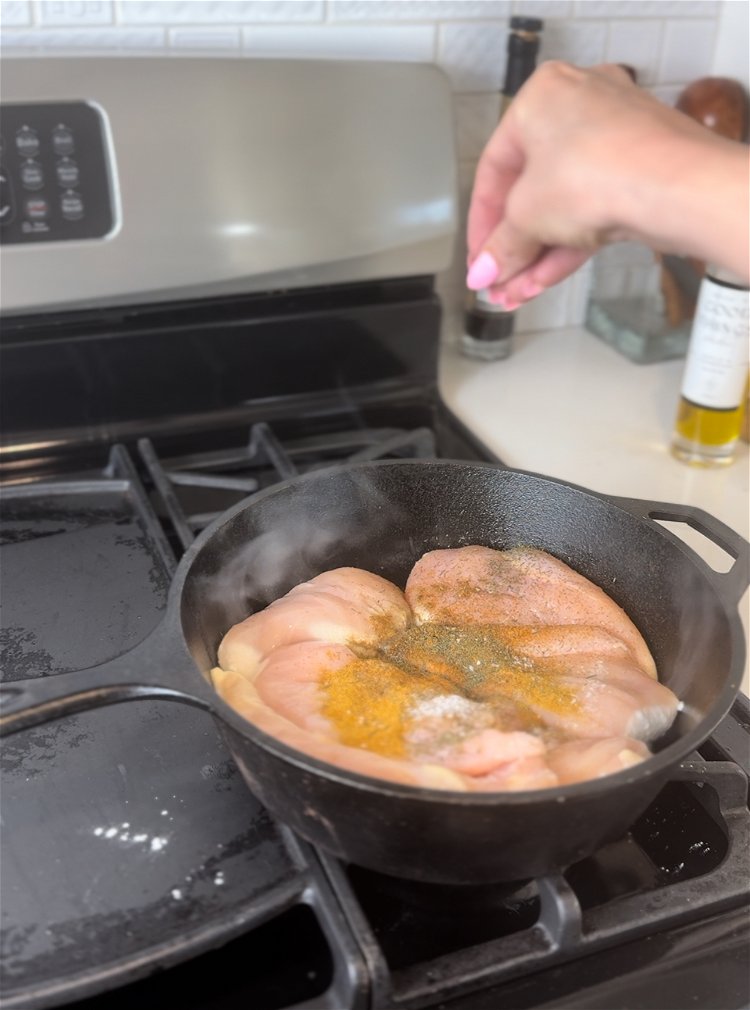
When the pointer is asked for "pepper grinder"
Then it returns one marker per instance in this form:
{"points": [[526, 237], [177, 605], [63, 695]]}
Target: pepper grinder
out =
{"points": [[488, 329]]}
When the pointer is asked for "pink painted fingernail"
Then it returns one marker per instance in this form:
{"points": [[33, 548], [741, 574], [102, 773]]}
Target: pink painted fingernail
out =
{"points": [[482, 272], [497, 298], [511, 304]]}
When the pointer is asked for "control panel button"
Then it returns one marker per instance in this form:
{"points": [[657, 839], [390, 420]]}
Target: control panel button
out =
{"points": [[6, 198], [71, 205], [62, 140], [27, 142], [32, 176], [37, 209], [67, 172], [58, 184]]}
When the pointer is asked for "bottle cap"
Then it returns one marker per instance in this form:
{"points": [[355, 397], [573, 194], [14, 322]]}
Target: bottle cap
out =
{"points": [[526, 24]]}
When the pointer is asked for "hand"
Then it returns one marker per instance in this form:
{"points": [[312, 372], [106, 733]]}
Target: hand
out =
{"points": [[583, 158]]}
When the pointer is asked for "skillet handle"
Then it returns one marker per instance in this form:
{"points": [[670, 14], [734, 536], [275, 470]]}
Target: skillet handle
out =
{"points": [[158, 667], [731, 584]]}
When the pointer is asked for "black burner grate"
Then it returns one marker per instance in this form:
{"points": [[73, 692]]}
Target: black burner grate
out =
{"points": [[683, 861], [220, 478], [153, 850]]}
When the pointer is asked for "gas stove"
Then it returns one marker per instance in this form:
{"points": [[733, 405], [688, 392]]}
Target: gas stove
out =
{"points": [[141, 399], [161, 859]]}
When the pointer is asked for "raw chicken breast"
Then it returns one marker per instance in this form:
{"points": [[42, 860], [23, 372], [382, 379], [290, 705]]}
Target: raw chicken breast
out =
{"points": [[343, 605], [579, 680], [453, 731], [496, 671], [240, 693], [286, 702], [479, 585], [288, 681], [612, 697], [532, 772], [490, 749], [492, 760], [579, 760]]}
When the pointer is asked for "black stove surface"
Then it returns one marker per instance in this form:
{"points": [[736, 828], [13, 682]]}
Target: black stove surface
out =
{"points": [[137, 868], [173, 864]]}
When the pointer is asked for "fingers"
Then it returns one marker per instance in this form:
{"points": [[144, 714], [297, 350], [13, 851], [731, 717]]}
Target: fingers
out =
{"points": [[526, 214], [506, 253], [497, 248], [553, 266], [498, 170], [557, 264]]}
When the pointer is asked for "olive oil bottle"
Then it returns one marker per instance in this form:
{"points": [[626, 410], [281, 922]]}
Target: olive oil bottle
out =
{"points": [[709, 415]]}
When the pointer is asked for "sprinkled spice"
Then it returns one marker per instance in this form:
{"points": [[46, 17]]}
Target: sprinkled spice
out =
{"points": [[439, 599], [378, 701], [367, 701]]}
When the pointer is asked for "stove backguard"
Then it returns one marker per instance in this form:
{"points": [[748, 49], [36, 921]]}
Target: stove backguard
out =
{"points": [[224, 176], [80, 381]]}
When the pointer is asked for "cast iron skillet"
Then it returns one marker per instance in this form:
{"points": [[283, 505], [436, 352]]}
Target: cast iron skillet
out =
{"points": [[383, 516]]}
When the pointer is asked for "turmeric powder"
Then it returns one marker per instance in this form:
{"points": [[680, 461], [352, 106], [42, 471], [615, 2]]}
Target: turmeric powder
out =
{"points": [[371, 701]]}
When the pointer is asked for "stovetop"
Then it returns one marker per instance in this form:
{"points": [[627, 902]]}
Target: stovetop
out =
{"points": [[137, 869], [155, 855]]}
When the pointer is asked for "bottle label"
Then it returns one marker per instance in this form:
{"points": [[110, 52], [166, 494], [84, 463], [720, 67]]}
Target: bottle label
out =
{"points": [[717, 360]]}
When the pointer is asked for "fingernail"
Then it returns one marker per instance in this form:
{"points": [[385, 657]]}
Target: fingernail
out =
{"points": [[530, 289], [482, 272], [511, 304], [497, 298]]}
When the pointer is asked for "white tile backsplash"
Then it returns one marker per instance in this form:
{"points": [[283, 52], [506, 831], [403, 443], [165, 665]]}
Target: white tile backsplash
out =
{"points": [[14, 13], [416, 10], [206, 39], [408, 42], [543, 8], [648, 8], [636, 43], [687, 51], [89, 40], [669, 42], [75, 12], [581, 42], [170, 12], [473, 55], [547, 312], [667, 93]]}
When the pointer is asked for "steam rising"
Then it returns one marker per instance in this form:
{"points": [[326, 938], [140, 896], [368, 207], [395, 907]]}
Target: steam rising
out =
{"points": [[298, 535], [268, 566]]}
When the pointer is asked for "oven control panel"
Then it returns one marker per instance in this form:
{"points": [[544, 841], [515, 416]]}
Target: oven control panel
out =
{"points": [[55, 183]]}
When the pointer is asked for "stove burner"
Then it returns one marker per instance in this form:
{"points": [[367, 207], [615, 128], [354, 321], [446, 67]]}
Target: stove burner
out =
{"points": [[264, 460]]}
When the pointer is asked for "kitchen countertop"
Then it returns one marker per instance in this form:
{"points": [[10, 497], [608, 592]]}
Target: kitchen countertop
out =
{"points": [[567, 405]]}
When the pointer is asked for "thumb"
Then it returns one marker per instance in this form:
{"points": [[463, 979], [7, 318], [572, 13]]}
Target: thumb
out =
{"points": [[506, 252]]}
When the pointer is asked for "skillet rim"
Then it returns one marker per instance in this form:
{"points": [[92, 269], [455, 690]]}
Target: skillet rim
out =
{"points": [[657, 765]]}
